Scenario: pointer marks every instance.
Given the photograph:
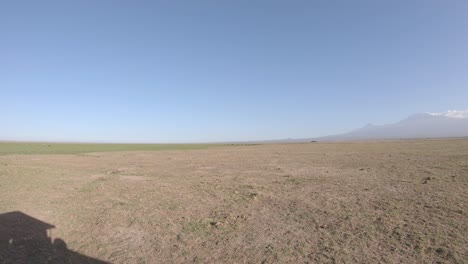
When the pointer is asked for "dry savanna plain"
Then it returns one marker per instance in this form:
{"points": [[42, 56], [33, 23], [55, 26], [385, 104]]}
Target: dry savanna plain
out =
{"points": [[357, 202]]}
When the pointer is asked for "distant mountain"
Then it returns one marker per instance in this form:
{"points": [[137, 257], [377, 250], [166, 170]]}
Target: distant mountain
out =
{"points": [[426, 125]]}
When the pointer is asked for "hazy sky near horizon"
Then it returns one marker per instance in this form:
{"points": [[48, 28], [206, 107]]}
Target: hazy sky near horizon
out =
{"points": [[197, 71]]}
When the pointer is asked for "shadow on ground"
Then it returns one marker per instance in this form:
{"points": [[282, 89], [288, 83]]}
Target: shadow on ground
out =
{"points": [[25, 239]]}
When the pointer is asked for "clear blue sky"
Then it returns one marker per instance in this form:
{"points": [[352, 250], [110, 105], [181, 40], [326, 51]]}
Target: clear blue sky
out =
{"points": [[196, 71]]}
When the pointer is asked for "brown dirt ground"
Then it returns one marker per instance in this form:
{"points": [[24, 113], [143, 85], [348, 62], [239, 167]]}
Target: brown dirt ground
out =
{"points": [[367, 202]]}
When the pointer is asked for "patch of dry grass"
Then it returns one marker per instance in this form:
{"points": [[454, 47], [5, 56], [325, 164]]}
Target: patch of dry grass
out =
{"points": [[367, 202]]}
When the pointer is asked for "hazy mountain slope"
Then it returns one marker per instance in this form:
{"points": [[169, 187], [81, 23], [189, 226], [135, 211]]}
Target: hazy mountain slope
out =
{"points": [[416, 126]]}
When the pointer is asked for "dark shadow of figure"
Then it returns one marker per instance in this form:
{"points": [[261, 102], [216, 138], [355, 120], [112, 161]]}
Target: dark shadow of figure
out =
{"points": [[25, 239]]}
